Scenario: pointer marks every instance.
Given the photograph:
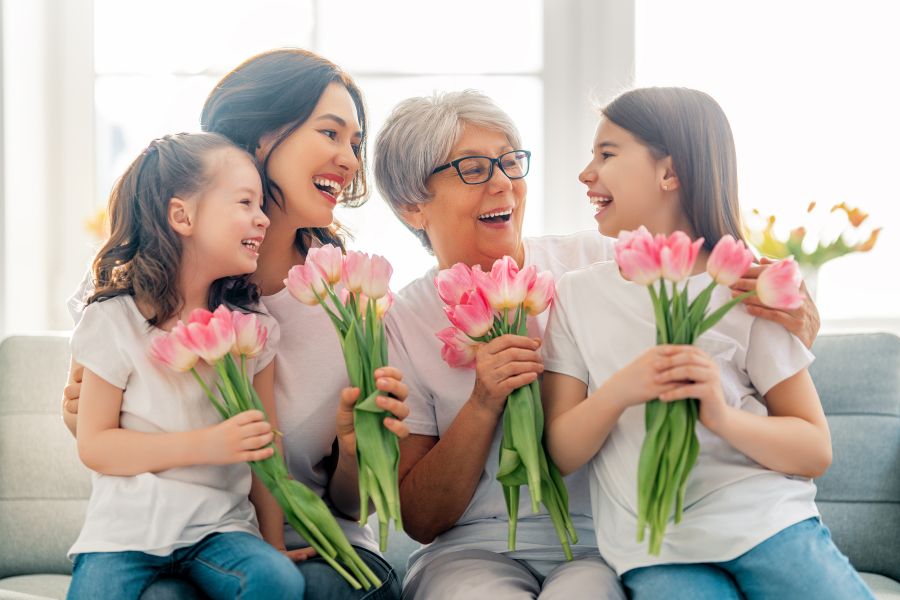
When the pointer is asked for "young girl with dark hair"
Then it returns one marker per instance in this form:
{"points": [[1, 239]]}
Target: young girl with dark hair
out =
{"points": [[171, 483], [664, 158], [304, 120]]}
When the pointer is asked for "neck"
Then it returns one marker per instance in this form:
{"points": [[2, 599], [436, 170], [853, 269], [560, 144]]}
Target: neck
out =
{"points": [[486, 262], [277, 255], [193, 287]]}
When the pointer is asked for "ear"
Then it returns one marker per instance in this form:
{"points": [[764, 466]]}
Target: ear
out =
{"points": [[181, 216], [668, 179], [413, 216]]}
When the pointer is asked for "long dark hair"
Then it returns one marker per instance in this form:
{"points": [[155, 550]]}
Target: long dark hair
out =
{"points": [[142, 257], [277, 91], [691, 127]]}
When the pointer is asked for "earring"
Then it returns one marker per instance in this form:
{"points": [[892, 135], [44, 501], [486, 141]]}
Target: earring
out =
{"points": [[666, 187]]}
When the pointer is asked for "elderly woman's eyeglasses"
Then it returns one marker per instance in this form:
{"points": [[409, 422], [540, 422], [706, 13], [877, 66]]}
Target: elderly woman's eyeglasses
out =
{"points": [[479, 169]]}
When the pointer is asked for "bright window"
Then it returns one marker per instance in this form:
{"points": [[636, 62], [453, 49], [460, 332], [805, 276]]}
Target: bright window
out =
{"points": [[147, 86], [811, 91]]}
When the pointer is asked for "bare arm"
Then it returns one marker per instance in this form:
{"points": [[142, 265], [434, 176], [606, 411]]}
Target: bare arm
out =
{"points": [[794, 437], [434, 497], [343, 488], [577, 426], [70, 395], [108, 449]]}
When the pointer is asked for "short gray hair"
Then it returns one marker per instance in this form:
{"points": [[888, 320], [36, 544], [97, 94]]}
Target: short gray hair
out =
{"points": [[418, 137]]}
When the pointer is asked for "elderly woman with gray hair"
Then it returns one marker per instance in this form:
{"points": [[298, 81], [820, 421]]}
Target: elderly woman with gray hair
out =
{"points": [[452, 168]]}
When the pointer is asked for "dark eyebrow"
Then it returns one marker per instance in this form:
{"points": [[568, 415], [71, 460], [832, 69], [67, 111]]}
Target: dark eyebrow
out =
{"points": [[339, 120]]}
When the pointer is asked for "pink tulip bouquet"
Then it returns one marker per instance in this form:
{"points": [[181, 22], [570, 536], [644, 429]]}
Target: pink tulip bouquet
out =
{"points": [[218, 337], [671, 447], [482, 306], [353, 290]]}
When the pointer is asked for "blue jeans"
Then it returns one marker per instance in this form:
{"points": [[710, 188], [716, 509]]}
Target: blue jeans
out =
{"points": [[223, 565], [324, 583], [800, 561]]}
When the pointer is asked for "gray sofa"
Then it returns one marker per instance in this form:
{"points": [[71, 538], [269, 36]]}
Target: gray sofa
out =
{"points": [[43, 486]]}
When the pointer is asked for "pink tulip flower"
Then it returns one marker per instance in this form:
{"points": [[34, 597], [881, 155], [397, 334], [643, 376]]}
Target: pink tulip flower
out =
{"points": [[304, 282], [637, 254], [540, 294], [728, 261], [376, 277], [778, 286], [505, 286], [172, 353], [473, 316], [452, 283], [678, 255], [250, 334], [353, 271], [329, 260], [210, 335], [458, 350], [382, 305]]}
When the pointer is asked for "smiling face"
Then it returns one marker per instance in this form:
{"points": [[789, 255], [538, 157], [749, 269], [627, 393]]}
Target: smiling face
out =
{"points": [[628, 186], [313, 164], [229, 224], [473, 224]]}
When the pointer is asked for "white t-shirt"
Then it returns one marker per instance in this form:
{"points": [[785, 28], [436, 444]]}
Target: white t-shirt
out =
{"points": [[599, 324], [438, 392], [157, 513], [309, 376]]}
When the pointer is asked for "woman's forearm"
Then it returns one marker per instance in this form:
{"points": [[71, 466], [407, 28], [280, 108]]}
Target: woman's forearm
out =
{"points": [[437, 489], [125, 453]]}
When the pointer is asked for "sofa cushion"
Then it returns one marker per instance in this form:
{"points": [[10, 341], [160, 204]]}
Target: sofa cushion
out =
{"points": [[43, 485], [858, 379], [33, 587]]}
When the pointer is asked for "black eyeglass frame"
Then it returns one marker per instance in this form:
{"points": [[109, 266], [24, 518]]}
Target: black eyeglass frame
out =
{"points": [[494, 161]]}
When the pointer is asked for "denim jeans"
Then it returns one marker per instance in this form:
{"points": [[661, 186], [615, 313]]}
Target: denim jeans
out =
{"points": [[800, 561], [223, 565], [324, 583]]}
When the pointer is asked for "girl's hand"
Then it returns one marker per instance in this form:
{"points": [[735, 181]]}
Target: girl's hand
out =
{"points": [[803, 322], [388, 380], [300, 554], [503, 365], [635, 383], [694, 375], [72, 391], [242, 438]]}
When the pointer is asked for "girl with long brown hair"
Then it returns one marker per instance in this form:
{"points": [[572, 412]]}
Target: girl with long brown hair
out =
{"points": [[171, 483]]}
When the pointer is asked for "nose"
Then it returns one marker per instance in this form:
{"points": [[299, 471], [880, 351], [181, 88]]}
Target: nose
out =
{"points": [[499, 180], [262, 219], [587, 176], [347, 160]]}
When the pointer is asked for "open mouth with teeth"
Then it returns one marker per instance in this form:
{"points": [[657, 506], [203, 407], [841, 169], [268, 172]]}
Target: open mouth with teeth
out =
{"points": [[252, 245], [327, 186], [497, 216], [601, 202]]}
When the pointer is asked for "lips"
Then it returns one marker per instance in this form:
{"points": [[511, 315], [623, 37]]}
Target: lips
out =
{"points": [[496, 216], [329, 184], [252, 244]]}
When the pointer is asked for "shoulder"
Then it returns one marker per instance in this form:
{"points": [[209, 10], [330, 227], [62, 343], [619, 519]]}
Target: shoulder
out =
{"points": [[562, 253]]}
